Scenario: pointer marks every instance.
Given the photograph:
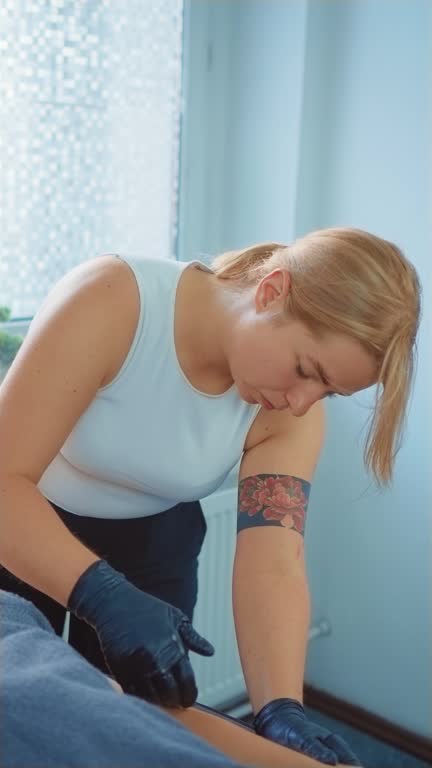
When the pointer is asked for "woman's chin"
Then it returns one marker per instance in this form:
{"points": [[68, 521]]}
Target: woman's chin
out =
{"points": [[245, 393], [249, 399]]}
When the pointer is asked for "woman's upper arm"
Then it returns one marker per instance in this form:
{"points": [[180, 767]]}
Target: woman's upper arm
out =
{"points": [[59, 367], [293, 449], [274, 482]]}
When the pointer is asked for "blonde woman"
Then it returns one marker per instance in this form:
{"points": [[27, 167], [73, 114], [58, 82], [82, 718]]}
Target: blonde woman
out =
{"points": [[139, 386]]}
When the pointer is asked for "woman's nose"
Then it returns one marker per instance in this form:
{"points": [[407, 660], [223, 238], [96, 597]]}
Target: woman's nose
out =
{"points": [[300, 411], [299, 403]]}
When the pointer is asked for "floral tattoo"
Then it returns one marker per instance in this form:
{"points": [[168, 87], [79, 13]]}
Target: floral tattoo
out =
{"points": [[273, 500]]}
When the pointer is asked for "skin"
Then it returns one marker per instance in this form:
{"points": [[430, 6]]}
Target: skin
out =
{"points": [[236, 742], [236, 340]]}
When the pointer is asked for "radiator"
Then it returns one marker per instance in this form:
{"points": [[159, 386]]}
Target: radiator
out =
{"points": [[219, 678]]}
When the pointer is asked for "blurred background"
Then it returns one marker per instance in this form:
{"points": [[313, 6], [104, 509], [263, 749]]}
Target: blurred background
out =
{"points": [[180, 128]]}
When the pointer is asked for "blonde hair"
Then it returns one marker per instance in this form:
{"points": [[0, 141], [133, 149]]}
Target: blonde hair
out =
{"points": [[350, 282]]}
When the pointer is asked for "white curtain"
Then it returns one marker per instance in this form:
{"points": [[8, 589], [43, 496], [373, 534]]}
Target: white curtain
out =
{"points": [[90, 101]]}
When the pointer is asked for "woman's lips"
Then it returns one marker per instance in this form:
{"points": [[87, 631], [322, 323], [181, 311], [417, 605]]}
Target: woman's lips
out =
{"points": [[266, 403]]}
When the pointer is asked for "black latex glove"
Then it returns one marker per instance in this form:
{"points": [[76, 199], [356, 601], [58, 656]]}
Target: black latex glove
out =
{"points": [[284, 721], [144, 640]]}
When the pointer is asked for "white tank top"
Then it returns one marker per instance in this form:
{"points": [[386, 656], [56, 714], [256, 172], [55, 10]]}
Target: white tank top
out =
{"points": [[149, 439]]}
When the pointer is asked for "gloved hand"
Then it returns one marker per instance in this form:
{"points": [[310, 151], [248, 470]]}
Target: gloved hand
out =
{"points": [[144, 640], [284, 721]]}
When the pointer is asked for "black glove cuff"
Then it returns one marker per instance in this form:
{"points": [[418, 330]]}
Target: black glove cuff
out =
{"points": [[90, 587], [268, 710]]}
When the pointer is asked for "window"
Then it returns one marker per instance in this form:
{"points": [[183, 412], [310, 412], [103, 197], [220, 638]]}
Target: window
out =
{"points": [[90, 97]]}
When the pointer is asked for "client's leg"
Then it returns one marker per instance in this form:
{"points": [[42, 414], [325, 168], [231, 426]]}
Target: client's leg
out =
{"points": [[237, 740], [240, 743]]}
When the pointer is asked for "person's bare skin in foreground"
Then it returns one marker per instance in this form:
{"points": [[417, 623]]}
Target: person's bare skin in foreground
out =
{"points": [[236, 742]]}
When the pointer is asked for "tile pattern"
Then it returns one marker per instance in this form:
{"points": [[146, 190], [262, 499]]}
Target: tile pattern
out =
{"points": [[90, 102]]}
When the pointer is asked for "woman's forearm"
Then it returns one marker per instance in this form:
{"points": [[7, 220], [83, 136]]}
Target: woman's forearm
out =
{"points": [[35, 545], [272, 616]]}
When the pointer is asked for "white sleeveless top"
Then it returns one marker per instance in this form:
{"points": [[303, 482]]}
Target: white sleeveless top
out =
{"points": [[149, 439]]}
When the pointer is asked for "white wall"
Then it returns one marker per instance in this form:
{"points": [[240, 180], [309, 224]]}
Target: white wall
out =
{"points": [[322, 117], [369, 557]]}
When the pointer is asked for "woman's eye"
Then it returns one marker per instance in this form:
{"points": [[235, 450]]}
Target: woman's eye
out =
{"points": [[304, 375], [301, 372]]}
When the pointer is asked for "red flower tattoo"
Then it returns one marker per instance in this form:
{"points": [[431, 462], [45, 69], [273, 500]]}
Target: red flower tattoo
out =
{"points": [[275, 497]]}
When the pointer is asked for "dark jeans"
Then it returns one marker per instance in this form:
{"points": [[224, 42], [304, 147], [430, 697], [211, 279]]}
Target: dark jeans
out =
{"points": [[159, 554]]}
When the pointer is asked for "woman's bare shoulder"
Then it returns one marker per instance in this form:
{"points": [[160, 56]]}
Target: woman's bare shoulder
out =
{"points": [[122, 301], [125, 304]]}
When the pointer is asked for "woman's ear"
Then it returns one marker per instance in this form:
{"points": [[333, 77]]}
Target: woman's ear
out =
{"points": [[272, 289]]}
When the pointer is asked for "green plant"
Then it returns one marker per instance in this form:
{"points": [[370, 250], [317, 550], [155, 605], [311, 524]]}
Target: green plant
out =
{"points": [[9, 344]]}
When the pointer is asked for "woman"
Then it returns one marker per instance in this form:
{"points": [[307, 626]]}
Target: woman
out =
{"points": [[138, 388]]}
